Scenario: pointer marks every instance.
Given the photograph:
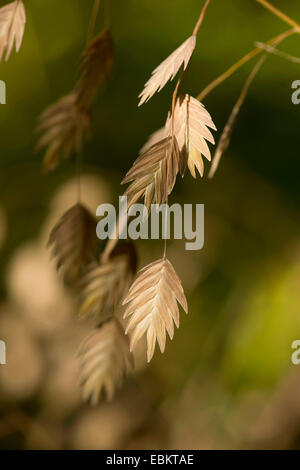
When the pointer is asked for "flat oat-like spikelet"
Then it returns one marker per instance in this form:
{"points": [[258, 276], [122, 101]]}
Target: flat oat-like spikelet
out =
{"points": [[65, 126], [168, 69], [191, 128], [96, 63], [12, 27], [104, 284], [73, 241], [105, 360], [153, 308], [154, 173]]}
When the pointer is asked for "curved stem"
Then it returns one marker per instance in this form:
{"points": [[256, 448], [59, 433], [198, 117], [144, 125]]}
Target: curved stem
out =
{"points": [[240, 63], [93, 19], [201, 18], [280, 14], [228, 129]]}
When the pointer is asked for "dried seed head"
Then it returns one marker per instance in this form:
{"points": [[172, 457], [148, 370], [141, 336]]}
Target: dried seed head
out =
{"points": [[168, 69], [12, 27], [96, 64], [105, 360], [105, 284], [73, 241], [65, 126], [154, 173], [153, 308]]}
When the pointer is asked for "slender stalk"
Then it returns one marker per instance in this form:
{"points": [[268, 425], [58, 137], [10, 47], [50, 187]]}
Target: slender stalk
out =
{"points": [[274, 51], [240, 63], [93, 19], [280, 14], [201, 18], [228, 129], [78, 174]]}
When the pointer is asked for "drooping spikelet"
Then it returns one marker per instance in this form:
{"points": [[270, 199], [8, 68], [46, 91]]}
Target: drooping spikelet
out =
{"points": [[153, 308], [191, 129], [168, 69], [105, 360], [12, 27], [105, 283], [73, 241], [65, 127], [154, 173], [96, 64]]}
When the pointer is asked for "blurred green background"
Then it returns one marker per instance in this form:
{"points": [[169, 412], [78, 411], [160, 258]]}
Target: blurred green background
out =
{"points": [[226, 380]]}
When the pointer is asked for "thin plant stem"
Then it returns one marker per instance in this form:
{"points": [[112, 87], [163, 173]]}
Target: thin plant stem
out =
{"points": [[201, 18], [274, 51], [78, 174], [209, 88], [93, 19], [225, 137], [228, 129], [280, 14]]}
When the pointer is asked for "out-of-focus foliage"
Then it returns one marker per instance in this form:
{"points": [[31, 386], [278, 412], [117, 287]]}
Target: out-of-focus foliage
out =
{"points": [[226, 380]]}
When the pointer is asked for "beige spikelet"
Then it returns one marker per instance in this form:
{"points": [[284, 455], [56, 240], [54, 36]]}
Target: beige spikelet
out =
{"points": [[153, 308], [168, 69], [191, 129], [96, 63], [105, 360], [105, 283], [73, 241], [12, 27], [65, 127], [153, 173]]}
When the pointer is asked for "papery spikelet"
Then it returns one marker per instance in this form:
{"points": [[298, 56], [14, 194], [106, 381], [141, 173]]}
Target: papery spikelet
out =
{"points": [[153, 308], [168, 69], [65, 126], [191, 129], [105, 360], [153, 173], [12, 27], [73, 241], [105, 283]]}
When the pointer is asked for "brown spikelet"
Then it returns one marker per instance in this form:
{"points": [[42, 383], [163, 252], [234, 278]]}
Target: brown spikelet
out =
{"points": [[154, 173], [65, 126], [105, 283], [153, 308], [12, 27], [73, 241], [105, 360], [96, 64]]}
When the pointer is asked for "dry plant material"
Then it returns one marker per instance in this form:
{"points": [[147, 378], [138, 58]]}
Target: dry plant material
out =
{"points": [[65, 127], [106, 283], [168, 69], [96, 64], [273, 50], [191, 129], [153, 174], [153, 308], [191, 123], [73, 241], [12, 27], [105, 360]]}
